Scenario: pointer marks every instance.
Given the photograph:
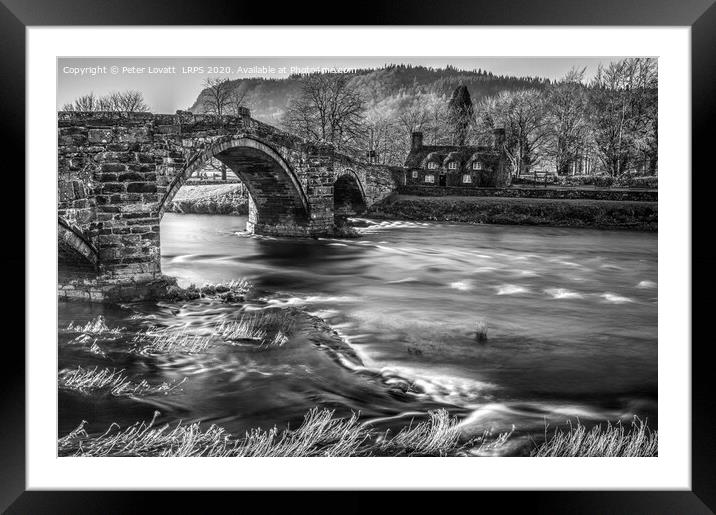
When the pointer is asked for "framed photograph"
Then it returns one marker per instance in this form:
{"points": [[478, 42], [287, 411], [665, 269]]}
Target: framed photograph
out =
{"points": [[417, 252]]}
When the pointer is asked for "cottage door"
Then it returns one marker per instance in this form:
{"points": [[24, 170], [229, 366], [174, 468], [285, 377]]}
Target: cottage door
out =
{"points": [[442, 180]]}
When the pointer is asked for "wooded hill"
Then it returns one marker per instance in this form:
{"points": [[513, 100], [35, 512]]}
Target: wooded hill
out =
{"points": [[390, 85]]}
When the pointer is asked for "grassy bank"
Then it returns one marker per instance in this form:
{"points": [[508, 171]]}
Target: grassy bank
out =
{"points": [[642, 216], [221, 199], [324, 434]]}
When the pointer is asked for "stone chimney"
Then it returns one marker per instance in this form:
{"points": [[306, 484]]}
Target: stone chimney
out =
{"points": [[498, 138], [417, 141]]}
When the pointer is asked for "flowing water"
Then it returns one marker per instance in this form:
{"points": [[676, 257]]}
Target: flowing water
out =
{"points": [[570, 316]]}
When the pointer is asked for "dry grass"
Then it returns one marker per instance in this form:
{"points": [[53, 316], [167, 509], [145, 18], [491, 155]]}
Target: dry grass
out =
{"points": [[481, 331], [321, 434], [270, 329], [94, 326], [142, 439], [437, 436], [113, 381], [96, 349], [266, 330], [608, 441], [165, 340]]}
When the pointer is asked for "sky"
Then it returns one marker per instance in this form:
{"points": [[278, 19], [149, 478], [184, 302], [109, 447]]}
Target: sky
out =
{"points": [[171, 83]]}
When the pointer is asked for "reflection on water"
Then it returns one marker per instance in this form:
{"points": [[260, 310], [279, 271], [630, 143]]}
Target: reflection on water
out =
{"points": [[571, 318]]}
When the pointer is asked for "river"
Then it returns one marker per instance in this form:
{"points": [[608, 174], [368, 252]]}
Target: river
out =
{"points": [[570, 316]]}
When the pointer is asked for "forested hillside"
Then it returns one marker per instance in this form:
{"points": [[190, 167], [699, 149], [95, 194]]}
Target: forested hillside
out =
{"points": [[388, 86]]}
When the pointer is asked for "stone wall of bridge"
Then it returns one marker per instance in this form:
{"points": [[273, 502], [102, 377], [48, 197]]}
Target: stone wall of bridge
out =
{"points": [[118, 171]]}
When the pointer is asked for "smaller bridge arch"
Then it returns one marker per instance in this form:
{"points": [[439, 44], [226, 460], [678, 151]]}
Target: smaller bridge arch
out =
{"points": [[349, 196]]}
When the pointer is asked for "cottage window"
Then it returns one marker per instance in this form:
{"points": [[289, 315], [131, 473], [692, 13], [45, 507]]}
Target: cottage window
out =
{"points": [[415, 174], [467, 178], [432, 166], [452, 165], [477, 165], [430, 178]]}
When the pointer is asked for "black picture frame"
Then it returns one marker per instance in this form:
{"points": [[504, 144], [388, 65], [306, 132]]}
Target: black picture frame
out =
{"points": [[700, 15]]}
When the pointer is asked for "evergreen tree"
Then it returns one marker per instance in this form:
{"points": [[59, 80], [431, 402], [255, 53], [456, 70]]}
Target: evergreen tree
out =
{"points": [[460, 114]]}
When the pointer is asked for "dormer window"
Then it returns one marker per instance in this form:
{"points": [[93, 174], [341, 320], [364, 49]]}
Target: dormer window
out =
{"points": [[452, 165], [432, 166], [477, 165]]}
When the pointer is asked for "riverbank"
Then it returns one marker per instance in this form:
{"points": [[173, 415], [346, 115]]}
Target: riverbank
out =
{"points": [[599, 214], [220, 199]]}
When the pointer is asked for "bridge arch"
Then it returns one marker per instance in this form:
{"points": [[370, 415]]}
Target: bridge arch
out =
{"points": [[75, 252], [277, 196], [348, 194]]}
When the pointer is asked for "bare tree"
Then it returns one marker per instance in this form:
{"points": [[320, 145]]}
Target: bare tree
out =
{"points": [[624, 105], [129, 101], [416, 117], [327, 109], [237, 98], [438, 122], [86, 102], [522, 114], [216, 95], [386, 143], [567, 116]]}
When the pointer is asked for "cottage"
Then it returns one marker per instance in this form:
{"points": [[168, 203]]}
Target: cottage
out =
{"points": [[453, 165]]}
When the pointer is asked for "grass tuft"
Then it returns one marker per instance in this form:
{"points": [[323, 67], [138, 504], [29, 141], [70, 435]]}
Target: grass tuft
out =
{"points": [[437, 436], [323, 434], [320, 434], [481, 331], [94, 326], [270, 329], [113, 381], [607, 442], [267, 330], [154, 340]]}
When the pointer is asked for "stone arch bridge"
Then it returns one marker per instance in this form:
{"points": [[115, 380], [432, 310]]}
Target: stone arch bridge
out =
{"points": [[117, 172]]}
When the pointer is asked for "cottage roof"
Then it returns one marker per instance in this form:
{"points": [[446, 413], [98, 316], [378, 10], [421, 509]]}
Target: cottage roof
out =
{"points": [[442, 153]]}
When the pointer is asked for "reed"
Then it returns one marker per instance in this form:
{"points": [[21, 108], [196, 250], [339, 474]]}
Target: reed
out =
{"points": [[165, 340], [437, 436], [89, 380], [604, 441], [269, 329], [95, 326], [320, 434], [481, 331]]}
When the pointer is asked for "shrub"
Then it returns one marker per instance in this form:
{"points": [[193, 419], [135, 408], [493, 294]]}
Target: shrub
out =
{"points": [[646, 182]]}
